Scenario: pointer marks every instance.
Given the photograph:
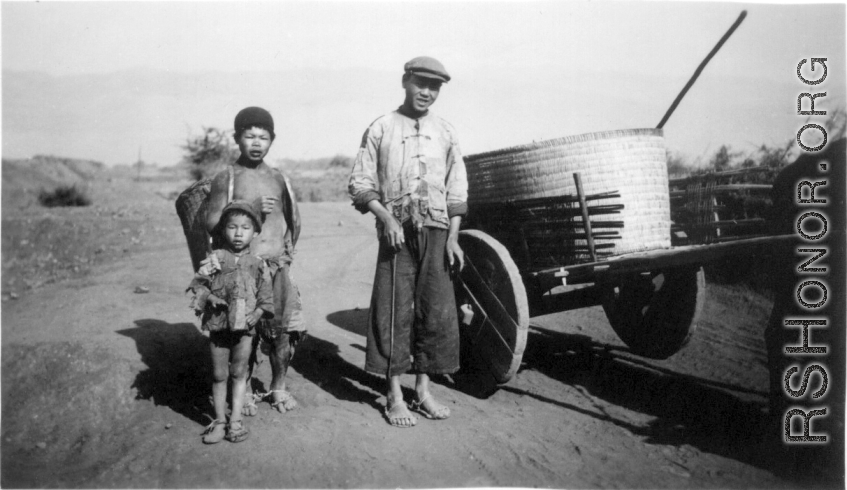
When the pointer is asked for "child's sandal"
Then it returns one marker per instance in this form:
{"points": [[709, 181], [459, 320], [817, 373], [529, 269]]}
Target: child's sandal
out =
{"points": [[212, 434], [236, 432]]}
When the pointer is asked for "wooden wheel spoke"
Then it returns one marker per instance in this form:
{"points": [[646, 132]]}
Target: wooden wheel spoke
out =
{"points": [[486, 293], [477, 309], [486, 320]]}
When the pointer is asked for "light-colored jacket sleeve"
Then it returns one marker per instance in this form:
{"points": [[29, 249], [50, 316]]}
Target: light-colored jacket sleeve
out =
{"points": [[363, 186], [457, 181]]}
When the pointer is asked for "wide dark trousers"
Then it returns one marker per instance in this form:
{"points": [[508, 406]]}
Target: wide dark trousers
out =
{"points": [[426, 327]]}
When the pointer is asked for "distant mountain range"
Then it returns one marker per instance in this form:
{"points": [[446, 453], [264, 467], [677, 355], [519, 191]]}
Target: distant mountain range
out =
{"points": [[110, 117], [114, 117]]}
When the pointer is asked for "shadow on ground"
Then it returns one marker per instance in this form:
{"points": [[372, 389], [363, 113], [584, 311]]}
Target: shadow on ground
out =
{"points": [[178, 373], [469, 380], [319, 361], [711, 416], [354, 321]]}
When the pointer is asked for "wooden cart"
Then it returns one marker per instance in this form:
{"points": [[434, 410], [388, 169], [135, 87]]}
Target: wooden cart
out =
{"points": [[541, 249], [652, 300], [652, 293]]}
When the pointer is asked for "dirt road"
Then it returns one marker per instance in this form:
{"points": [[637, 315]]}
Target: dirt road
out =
{"points": [[107, 387]]}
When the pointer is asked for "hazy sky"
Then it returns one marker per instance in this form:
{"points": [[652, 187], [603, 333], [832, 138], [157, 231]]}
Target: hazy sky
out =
{"points": [[522, 71]]}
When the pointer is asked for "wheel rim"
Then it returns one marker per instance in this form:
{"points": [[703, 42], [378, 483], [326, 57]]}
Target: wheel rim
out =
{"points": [[492, 286], [656, 315]]}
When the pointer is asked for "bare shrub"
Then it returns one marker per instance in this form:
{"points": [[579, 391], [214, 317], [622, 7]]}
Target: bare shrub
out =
{"points": [[62, 196], [208, 153], [677, 166], [341, 161], [722, 160]]}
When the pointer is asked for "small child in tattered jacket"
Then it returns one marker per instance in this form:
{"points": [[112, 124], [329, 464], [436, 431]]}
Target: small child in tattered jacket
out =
{"points": [[231, 302]]}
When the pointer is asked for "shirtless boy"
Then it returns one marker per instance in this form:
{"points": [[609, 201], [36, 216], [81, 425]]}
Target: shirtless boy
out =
{"points": [[252, 180]]}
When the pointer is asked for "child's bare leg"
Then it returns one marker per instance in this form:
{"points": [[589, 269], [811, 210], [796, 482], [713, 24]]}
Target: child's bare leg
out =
{"points": [[220, 375], [239, 371], [249, 409], [282, 351], [290, 315]]}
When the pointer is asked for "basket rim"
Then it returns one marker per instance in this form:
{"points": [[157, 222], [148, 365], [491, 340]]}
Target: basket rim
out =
{"points": [[599, 135]]}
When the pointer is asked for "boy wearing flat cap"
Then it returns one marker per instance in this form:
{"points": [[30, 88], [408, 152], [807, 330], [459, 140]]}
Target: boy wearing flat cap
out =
{"points": [[250, 179], [410, 174]]}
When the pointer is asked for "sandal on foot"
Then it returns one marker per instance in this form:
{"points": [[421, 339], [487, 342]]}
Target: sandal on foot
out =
{"points": [[438, 414], [213, 434], [285, 403], [250, 409], [398, 412], [235, 431]]}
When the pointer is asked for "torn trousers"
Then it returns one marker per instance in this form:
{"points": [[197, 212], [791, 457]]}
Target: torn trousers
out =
{"points": [[288, 311]]}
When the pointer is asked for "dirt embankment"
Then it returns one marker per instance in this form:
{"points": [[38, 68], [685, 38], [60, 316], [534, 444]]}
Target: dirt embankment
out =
{"points": [[106, 387]]}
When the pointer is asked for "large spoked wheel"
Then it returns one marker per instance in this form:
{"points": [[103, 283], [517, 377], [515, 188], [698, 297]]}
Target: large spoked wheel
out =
{"points": [[656, 314], [493, 310]]}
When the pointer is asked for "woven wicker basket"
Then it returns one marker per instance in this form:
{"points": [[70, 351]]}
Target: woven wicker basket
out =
{"points": [[191, 209], [630, 162]]}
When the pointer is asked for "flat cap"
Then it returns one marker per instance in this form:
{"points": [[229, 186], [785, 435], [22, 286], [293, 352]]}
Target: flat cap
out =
{"points": [[254, 116], [246, 208], [424, 66]]}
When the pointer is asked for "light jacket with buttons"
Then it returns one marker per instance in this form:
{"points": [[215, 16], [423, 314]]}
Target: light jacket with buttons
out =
{"points": [[414, 167]]}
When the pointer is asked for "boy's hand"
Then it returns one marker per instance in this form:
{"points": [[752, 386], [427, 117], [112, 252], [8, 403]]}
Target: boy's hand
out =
{"points": [[268, 203], [217, 302], [253, 317], [209, 265]]}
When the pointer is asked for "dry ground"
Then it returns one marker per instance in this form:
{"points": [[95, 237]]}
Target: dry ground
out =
{"points": [[106, 387]]}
